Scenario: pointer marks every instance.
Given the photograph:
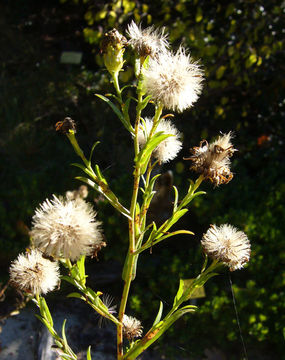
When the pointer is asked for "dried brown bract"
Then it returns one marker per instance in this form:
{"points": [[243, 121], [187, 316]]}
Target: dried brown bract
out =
{"points": [[65, 125], [212, 161], [114, 39]]}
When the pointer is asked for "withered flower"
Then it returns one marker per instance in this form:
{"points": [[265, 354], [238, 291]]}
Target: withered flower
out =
{"points": [[212, 161], [132, 327], [34, 274], [147, 42], [66, 125]]}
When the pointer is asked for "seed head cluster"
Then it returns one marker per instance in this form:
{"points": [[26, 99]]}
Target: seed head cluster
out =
{"points": [[169, 148], [34, 274], [174, 80], [132, 327], [147, 42], [228, 245], [66, 228], [213, 160]]}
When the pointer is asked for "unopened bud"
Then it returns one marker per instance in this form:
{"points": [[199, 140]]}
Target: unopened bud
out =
{"points": [[113, 47]]}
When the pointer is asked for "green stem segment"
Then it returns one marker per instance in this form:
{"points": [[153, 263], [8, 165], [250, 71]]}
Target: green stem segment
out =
{"points": [[128, 272]]}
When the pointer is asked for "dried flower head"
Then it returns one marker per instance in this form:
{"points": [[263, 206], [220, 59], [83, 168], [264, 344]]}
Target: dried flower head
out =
{"points": [[147, 42], [168, 149], [66, 125], [132, 327], [34, 274], [228, 245], [213, 160], [173, 80], [66, 228], [114, 39]]}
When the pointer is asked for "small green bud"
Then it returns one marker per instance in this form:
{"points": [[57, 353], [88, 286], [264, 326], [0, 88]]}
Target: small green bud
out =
{"points": [[113, 47]]}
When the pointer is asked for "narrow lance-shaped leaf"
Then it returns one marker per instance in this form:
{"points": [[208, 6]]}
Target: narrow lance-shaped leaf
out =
{"points": [[176, 197], [109, 195], [159, 314], [116, 111], [92, 150], [46, 324], [88, 354], [75, 295], [81, 268], [45, 311], [63, 334], [167, 225]]}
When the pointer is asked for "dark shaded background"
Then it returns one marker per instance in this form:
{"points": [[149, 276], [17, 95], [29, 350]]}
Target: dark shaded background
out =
{"points": [[241, 46]]}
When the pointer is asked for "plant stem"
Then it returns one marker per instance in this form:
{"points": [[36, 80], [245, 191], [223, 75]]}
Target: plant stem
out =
{"points": [[115, 77], [130, 260]]}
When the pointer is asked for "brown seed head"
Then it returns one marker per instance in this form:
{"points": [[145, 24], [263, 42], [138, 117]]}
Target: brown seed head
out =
{"points": [[65, 125], [112, 39], [213, 160]]}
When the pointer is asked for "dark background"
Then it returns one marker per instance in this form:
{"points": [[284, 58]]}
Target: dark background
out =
{"points": [[241, 47]]}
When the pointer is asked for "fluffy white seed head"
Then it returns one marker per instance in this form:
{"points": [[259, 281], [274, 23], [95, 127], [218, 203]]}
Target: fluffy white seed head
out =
{"points": [[173, 80], [66, 228], [132, 327], [169, 148], [213, 160], [149, 41], [228, 245], [34, 274]]}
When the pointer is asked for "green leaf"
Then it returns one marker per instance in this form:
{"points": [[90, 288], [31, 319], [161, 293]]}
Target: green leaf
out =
{"points": [[178, 232], [116, 111], [152, 181], [159, 314], [92, 295], [45, 311], [88, 354], [75, 295], [143, 156], [81, 269], [44, 321], [92, 150], [185, 291], [145, 101], [68, 279], [63, 334], [83, 168], [176, 197], [179, 293]]}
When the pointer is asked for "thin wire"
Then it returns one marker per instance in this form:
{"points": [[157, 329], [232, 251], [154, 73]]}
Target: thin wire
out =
{"points": [[237, 317]]}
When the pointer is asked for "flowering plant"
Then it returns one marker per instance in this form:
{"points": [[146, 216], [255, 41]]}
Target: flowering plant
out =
{"points": [[65, 229]]}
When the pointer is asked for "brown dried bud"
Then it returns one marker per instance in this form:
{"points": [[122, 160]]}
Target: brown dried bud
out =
{"points": [[65, 125], [114, 39]]}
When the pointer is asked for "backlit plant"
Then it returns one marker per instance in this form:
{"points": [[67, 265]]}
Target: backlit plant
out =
{"points": [[65, 229]]}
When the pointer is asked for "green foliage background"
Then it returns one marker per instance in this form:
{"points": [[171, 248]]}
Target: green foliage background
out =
{"points": [[241, 46]]}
